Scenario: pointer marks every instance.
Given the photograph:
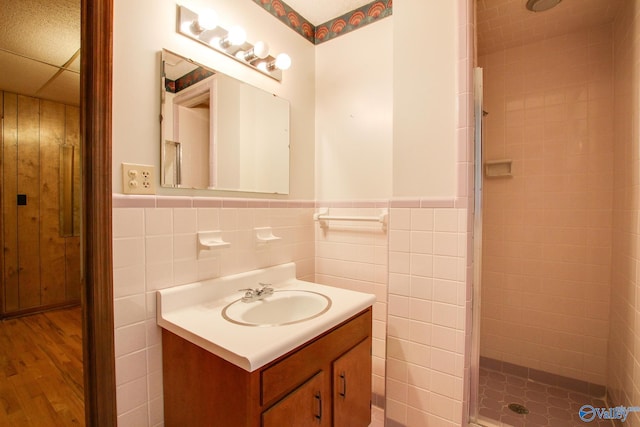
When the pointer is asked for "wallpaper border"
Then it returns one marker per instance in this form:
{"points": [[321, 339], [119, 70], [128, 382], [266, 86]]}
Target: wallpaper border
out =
{"points": [[350, 21]]}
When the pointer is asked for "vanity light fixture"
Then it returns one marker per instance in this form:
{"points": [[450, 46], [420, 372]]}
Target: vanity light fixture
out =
{"points": [[203, 27]]}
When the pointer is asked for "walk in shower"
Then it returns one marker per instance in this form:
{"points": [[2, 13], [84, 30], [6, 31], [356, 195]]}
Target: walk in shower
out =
{"points": [[544, 211]]}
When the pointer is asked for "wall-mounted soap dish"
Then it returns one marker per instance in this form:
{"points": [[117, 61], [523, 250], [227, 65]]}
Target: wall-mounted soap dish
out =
{"points": [[265, 235], [212, 240]]}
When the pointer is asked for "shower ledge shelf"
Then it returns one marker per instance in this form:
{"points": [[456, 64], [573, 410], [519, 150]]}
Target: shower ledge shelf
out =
{"points": [[498, 168]]}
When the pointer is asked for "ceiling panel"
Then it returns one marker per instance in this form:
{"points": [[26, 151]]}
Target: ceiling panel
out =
{"points": [[45, 30], [502, 24], [65, 88], [37, 38], [75, 65], [22, 75]]}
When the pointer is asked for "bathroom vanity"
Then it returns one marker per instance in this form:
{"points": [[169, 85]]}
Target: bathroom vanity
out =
{"points": [[311, 372], [325, 382]]}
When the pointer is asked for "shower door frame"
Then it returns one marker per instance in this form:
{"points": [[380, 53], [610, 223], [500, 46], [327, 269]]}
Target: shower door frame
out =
{"points": [[477, 244]]}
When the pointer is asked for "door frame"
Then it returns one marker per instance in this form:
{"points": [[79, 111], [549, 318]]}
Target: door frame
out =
{"points": [[97, 294]]}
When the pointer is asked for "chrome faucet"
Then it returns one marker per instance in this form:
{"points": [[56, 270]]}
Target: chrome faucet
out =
{"points": [[256, 294]]}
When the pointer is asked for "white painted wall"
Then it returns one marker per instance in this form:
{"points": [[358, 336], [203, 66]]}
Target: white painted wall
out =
{"points": [[425, 54], [386, 107], [143, 27], [354, 114], [385, 114]]}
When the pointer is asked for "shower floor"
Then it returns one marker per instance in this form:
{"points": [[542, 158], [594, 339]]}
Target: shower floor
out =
{"points": [[548, 406]]}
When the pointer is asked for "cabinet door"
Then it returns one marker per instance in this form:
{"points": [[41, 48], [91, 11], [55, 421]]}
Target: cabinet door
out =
{"points": [[306, 406], [352, 387]]}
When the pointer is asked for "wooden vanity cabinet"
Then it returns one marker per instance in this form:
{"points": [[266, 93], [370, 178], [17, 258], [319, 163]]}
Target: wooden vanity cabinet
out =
{"points": [[324, 382], [303, 407], [352, 387]]}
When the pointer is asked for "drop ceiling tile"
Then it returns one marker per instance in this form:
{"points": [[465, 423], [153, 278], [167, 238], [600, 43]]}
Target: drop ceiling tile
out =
{"points": [[75, 65], [20, 75], [65, 89], [46, 31]]}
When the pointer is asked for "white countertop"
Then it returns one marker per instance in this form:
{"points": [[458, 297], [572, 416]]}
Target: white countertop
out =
{"points": [[194, 312]]}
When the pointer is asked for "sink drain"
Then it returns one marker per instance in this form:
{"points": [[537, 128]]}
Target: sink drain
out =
{"points": [[518, 409]]}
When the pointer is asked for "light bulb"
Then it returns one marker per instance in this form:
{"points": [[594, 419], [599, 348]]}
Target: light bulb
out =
{"points": [[261, 50], [237, 35], [208, 19], [283, 62], [262, 66]]}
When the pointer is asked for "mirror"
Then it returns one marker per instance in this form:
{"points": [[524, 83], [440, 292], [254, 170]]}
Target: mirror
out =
{"points": [[220, 133]]}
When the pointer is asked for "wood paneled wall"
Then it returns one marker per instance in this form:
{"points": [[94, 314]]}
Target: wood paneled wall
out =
{"points": [[40, 268]]}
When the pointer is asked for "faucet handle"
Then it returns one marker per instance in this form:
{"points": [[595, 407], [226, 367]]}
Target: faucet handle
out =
{"points": [[248, 292], [266, 289]]}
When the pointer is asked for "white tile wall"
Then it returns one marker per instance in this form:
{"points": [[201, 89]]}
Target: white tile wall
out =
{"points": [[353, 255], [427, 316], [156, 247]]}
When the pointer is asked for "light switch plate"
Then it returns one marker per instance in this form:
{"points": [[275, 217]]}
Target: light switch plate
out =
{"points": [[138, 179]]}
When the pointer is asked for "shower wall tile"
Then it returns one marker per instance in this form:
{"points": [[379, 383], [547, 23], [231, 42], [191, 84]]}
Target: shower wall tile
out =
{"points": [[547, 229], [624, 340]]}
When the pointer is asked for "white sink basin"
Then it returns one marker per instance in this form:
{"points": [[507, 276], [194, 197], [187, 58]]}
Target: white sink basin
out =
{"points": [[281, 308], [297, 312]]}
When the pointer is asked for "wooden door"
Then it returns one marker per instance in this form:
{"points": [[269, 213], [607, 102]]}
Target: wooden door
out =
{"points": [[306, 406], [352, 387]]}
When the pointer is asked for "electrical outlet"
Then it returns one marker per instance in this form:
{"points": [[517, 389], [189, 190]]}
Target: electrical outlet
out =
{"points": [[138, 179]]}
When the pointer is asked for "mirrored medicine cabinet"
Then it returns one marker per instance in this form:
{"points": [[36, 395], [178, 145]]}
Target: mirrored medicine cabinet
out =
{"points": [[220, 133]]}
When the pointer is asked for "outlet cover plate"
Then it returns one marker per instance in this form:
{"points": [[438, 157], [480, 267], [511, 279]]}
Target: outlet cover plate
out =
{"points": [[138, 179]]}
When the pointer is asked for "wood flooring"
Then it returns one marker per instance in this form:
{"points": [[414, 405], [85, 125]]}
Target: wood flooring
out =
{"points": [[41, 378]]}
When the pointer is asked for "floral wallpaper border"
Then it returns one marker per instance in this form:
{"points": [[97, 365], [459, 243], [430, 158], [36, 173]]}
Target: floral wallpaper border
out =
{"points": [[353, 20], [333, 28]]}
